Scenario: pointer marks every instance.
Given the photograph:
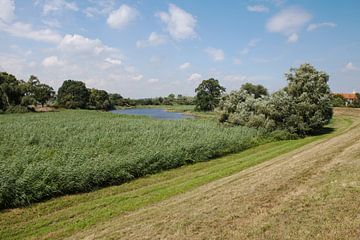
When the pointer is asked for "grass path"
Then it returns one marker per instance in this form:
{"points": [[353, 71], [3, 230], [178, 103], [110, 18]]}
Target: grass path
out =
{"points": [[68, 215]]}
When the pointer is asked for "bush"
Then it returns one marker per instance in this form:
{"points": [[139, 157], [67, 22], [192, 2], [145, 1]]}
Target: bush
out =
{"points": [[17, 109], [301, 108]]}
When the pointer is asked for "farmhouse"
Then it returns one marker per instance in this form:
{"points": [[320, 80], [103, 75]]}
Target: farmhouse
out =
{"points": [[349, 97]]}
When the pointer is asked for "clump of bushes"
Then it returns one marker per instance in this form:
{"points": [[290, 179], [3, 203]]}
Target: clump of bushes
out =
{"points": [[300, 108]]}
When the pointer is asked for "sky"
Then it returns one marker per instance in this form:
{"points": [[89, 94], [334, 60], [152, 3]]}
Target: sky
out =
{"points": [[149, 48]]}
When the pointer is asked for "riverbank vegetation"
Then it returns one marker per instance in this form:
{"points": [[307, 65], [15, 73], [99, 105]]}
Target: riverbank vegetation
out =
{"points": [[77, 150]]}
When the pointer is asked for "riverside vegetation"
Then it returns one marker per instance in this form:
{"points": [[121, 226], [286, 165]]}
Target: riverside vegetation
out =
{"points": [[50, 154]]}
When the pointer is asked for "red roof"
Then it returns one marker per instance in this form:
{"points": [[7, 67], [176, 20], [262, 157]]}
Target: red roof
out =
{"points": [[348, 96]]}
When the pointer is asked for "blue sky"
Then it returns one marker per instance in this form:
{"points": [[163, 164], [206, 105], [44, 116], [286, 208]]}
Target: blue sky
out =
{"points": [[150, 48]]}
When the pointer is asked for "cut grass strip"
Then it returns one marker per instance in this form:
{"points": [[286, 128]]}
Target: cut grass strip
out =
{"points": [[64, 216]]}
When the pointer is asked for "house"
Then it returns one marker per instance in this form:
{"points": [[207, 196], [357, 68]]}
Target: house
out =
{"points": [[349, 97]]}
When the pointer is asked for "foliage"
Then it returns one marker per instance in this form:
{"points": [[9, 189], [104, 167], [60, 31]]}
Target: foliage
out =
{"points": [[11, 91], [17, 109], [99, 149], [208, 95], [256, 90], [338, 101], [73, 94], [99, 99], [302, 107]]}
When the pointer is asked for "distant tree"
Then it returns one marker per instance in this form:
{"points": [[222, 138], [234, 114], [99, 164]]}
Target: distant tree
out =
{"points": [[116, 99], [208, 95], [356, 102], [73, 94], [256, 90], [43, 93], [338, 101], [99, 99]]}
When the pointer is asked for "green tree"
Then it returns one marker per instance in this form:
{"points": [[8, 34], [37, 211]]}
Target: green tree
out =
{"points": [[11, 90], [311, 95], [338, 101], [43, 93], [73, 94], [208, 95], [99, 99], [256, 90]]}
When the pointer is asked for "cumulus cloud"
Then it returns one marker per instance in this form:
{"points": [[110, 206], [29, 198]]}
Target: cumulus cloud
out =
{"points": [[153, 80], [58, 5], [7, 10], [288, 22], [121, 17], [184, 66], [99, 7], [79, 43], [25, 30], [257, 8], [293, 38], [179, 23], [195, 77], [154, 39], [314, 26], [137, 77], [113, 61], [351, 67], [53, 61], [215, 54], [252, 43]]}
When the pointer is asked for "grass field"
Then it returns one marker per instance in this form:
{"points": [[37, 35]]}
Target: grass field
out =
{"points": [[65, 216], [43, 155]]}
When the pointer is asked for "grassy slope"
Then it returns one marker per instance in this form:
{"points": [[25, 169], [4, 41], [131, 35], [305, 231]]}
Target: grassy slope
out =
{"points": [[67, 215], [310, 193]]}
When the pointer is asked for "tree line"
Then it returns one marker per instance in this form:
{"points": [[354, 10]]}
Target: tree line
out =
{"points": [[21, 96]]}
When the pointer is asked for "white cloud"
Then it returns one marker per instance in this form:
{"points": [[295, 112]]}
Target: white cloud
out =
{"points": [[195, 77], [99, 7], [351, 67], [293, 38], [179, 23], [53, 61], [289, 21], [315, 26], [137, 77], [79, 43], [215, 54], [184, 66], [153, 80], [7, 10], [252, 43], [58, 5], [257, 8], [24, 30], [113, 61], [52, 23], [154, 39], [121, 17]]}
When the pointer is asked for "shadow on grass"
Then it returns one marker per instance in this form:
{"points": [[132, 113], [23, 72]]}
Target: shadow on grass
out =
{"points": [[322, 131]]}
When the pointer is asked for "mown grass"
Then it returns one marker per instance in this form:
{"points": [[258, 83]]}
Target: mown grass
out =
{"points": [[64, 216], [51, 154]]}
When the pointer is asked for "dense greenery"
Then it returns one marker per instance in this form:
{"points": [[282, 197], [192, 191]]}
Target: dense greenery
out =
{"points": [[78, 150], [16, 95], [256, 90], [302, 107], [208, 95]]}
